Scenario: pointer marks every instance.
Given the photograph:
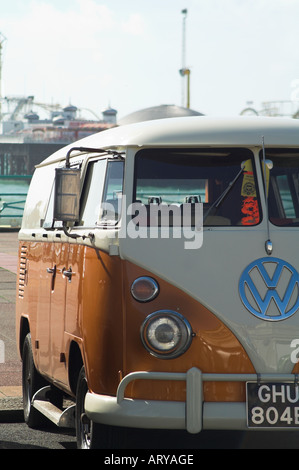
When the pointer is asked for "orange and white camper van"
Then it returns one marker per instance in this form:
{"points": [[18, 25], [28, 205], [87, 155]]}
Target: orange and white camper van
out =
{"points": [[158, 282]]}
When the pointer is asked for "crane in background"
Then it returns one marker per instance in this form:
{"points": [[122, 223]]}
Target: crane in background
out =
{"points": [[21, 103]]}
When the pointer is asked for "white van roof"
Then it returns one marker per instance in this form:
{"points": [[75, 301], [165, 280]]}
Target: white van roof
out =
{"points": [[193, 131]]}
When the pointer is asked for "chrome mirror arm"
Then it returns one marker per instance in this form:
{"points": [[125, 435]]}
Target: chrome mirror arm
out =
{"points": [[268, 243]]}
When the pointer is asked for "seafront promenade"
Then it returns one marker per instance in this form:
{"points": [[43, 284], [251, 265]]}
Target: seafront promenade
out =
{"points": [[10, 365]]}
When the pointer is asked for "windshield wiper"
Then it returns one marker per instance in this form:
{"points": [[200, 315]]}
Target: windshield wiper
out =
{"points": [[223, 195]]}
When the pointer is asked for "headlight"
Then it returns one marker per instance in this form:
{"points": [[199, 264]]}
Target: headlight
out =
{"points": [[166, 334], [144, 289]]}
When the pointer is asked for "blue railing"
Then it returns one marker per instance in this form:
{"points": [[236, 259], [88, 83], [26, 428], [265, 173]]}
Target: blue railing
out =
{"points": [[14, 205], [13, 193]]}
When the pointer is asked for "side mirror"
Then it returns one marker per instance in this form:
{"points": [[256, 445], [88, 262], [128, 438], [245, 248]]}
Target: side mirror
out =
{"points": [[67, 194]]}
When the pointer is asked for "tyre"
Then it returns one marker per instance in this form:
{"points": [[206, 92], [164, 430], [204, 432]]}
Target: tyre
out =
{"points": [[92, 435], [32, 381]]}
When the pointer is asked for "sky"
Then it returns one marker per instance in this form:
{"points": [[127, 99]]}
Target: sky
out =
{"points": [[127, 53]]}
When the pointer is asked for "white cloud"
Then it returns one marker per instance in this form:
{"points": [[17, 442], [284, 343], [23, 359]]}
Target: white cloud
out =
{"points": [[56, 53], [47, 26], [134, 25]]}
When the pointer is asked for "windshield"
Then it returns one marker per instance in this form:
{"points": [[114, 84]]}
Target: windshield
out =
{"points": [[283, 184], [223, 180]]}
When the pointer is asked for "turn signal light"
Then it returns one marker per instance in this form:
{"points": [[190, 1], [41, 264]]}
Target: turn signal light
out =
{"points": [[144, 289]]}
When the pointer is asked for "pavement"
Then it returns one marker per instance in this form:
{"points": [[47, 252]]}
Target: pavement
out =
{"points": [[10, 364]]}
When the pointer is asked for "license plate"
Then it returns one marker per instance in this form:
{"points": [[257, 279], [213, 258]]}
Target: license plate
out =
{"points": [[271, 405]]}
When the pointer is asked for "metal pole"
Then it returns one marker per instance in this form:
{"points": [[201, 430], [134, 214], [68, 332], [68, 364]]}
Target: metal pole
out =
{"points": [[184, 71], [188, 88], [184, 13]]}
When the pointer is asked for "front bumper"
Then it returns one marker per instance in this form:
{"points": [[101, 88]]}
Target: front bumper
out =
{"points": [[194, 415]]}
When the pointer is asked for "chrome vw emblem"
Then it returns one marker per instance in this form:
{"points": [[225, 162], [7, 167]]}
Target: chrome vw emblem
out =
{"points": [[269, 289]]}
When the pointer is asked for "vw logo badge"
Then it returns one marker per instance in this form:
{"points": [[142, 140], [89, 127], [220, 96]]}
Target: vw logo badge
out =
{"points": [[269, 289]]}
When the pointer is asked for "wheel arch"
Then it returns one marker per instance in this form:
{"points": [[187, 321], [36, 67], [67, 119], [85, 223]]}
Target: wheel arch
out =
{"points": [[24, 330], [75, 365]]}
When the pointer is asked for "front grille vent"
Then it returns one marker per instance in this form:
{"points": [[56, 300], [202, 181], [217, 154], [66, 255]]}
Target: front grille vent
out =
{"points": [[23, 271]]}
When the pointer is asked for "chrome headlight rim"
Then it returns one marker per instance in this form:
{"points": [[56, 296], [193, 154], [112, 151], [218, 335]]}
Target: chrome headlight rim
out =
{"points": [[182, 345], [155, 289]]}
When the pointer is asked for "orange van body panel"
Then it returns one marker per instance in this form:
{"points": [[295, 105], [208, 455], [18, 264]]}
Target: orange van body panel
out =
{"points": [[98, 312], [214, 349]]}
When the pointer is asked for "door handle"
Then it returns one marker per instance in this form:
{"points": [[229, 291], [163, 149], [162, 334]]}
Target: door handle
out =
{"points": [[52, 271], [68, 273]]}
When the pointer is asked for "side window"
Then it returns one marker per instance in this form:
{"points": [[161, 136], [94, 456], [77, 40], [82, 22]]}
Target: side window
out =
{"points": [[112, 200], [92, 193], [102, 193], [283, 187], [286, 196]]}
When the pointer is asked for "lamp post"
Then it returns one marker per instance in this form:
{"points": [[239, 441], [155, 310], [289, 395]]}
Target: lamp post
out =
{"points": [[184, 71]]}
